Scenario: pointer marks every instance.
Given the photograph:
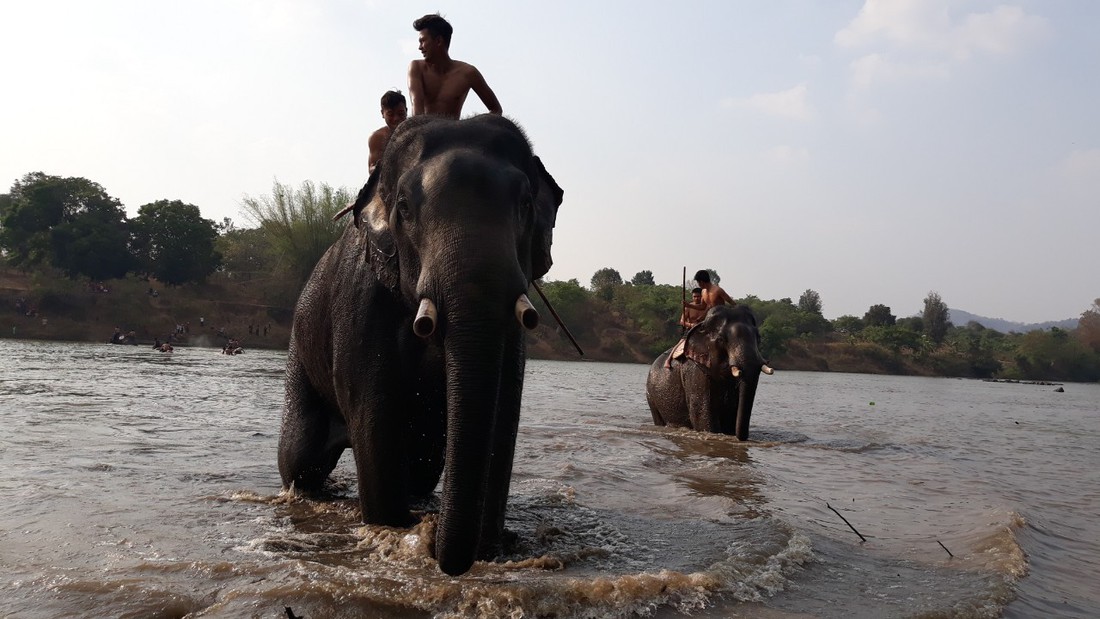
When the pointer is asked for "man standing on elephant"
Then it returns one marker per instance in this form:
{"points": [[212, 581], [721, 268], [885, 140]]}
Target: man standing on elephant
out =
{"points": [[394, 111], [438, 84]]}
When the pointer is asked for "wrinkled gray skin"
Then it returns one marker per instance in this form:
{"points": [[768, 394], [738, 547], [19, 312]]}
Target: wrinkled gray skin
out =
{"points": [[702, 393], [461, 213]]}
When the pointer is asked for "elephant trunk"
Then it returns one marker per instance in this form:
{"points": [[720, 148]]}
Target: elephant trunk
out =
{"points": [[473, 363], [746, 395]]}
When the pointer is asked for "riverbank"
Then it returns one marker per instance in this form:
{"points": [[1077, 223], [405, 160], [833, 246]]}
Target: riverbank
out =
{"points": [[258, 311], [252, 310]]}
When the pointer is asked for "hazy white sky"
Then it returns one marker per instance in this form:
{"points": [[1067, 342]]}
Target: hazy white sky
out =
{"points": [[872, 151]]}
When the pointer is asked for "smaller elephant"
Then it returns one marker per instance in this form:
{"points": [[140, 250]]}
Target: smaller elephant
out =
{"points": [[708, 380]]}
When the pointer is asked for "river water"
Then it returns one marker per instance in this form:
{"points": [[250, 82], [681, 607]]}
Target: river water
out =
{"points": [[143, 484]]}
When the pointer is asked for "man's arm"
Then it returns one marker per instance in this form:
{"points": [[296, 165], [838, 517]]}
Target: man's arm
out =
{"points": [[416, 87], [377, 144], [722, 294], [479, 86]]}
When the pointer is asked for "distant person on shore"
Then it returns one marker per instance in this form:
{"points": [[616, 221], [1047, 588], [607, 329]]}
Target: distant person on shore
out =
{"points": [[438, 84], [394, 111]]}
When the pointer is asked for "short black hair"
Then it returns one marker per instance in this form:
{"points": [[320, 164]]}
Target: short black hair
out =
{"points": [[702, 276], [696, 291], [436, 26], [392, 99]]}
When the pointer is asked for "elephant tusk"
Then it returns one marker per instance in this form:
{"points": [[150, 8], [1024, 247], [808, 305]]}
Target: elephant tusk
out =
{"points": [[767, 370], [424, 323], [736, 371], [526, 313]]}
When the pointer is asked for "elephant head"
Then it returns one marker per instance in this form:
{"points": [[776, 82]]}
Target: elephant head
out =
{"points": [[458, 216], [727, 345]]}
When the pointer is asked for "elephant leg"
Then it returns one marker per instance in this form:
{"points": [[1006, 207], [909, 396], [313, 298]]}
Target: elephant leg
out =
{"points": [[375, 404], [426, 438], [313, 435], [725, 407], [658, 384], [493, 538], [699, 397]]}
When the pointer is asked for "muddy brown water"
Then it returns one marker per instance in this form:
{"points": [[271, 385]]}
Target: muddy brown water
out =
{"points": [[142, 484]]}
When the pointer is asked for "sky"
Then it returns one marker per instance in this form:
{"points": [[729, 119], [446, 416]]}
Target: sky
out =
{"points": [[872, 151]]}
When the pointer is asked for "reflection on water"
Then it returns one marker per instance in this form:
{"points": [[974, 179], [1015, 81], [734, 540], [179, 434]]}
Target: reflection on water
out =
{"points": [[142, 484]]}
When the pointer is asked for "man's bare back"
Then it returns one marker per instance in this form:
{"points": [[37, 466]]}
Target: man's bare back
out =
{"points": [[441, 88], [439, 84]]}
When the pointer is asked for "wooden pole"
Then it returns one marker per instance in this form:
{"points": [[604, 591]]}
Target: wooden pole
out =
{"points": [[683, 298], [557, 318], [847, 523]]}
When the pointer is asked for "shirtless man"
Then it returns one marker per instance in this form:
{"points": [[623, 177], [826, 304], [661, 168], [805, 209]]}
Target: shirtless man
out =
{"points": [[393, 112], [439, 84], [692, 316], [712, 294]]}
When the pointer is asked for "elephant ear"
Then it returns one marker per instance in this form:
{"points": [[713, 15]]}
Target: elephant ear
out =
{"points": [[547, 199], [369, 208], [699, 342]]}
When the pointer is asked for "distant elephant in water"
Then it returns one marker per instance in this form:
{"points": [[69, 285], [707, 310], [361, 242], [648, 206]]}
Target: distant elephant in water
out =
{"points": [[711, 383], [408, 340]]}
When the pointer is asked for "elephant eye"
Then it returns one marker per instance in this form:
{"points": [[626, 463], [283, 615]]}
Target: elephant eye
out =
{"points": [[403, 207]]}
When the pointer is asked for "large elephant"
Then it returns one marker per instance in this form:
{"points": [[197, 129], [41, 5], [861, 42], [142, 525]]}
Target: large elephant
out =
{"points": [[710, 382], [407, 344]]}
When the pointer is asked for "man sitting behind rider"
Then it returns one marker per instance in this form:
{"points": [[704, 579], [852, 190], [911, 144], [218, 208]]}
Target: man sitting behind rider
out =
{"points": [[692, 316], [393, 112]]}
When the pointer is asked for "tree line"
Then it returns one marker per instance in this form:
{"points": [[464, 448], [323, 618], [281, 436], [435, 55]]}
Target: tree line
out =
{"points": [[927, 339], [74, 226]]}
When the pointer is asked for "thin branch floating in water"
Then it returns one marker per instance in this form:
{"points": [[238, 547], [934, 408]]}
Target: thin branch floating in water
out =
{"points": [[945, 549], [847, 523]]}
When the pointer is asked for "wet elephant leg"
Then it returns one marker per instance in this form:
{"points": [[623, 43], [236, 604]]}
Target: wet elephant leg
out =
{"points": [[699, 396], [376, 427], [313, 435]]}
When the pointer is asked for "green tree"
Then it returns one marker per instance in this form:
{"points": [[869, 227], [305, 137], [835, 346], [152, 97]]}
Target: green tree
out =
{"points": [[913, 323], [298, 223], [606, 276], [38, 204], [174, 243], [1088, 328], [94, 244], [245, 250], [936, 317], [848, 324], [978, 346], [879, 316], [643, 278], [605, 281], [572, 303], [810, 302], [893, 337], [1054, 355]]}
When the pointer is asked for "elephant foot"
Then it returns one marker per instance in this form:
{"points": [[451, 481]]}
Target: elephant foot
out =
{"points": [[507, 544]]}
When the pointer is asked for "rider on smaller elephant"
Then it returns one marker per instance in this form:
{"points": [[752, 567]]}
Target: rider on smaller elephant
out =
{"points": [[712, 294]]}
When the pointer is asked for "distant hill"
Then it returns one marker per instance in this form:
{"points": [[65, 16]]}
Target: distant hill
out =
{"points": [[960, 318]]}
